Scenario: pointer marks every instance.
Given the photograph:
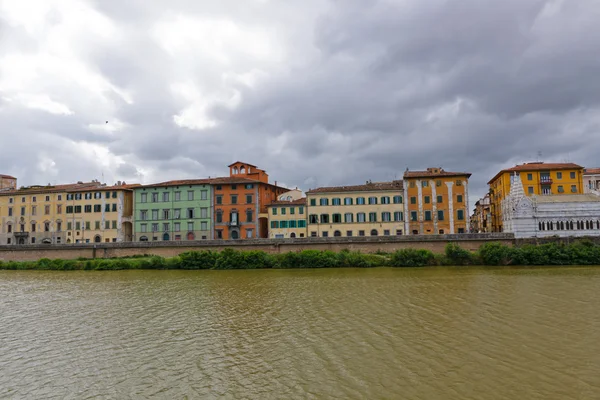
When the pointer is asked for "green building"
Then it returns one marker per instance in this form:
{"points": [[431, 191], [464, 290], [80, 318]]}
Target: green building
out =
{"points": [[174, 210]]}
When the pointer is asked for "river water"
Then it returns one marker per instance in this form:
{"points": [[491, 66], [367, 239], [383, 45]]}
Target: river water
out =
{"points": [[302, 334]]}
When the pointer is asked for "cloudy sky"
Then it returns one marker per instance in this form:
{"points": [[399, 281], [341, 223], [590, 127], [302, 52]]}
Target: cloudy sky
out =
{"points": [[317, 92]]}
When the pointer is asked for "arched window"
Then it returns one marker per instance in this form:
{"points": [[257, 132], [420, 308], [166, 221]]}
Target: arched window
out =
{"points": [[374, 232], [242, 170], [97, 239], [292, 235], [235, 170], [337, 233], [191, 236]]}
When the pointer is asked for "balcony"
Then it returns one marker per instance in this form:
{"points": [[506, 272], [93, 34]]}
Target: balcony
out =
{"points": [[233, 223], [546, 181], [21, 234]]}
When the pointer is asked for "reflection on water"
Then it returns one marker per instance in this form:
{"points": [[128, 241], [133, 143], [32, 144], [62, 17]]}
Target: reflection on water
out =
{"points": [[284, 334]]}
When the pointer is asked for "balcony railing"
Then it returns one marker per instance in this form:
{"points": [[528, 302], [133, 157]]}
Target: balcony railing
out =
{"points": [[546, 181]]}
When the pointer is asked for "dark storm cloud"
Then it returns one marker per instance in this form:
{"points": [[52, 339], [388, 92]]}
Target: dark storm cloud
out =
{"points": [[318, 93]]}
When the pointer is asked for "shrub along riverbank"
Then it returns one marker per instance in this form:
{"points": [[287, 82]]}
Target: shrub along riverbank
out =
{"points": [[493, 254]]}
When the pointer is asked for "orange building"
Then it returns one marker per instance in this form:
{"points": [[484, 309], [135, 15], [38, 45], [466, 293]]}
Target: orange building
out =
{"points": [[240, 202], [436, 201]]}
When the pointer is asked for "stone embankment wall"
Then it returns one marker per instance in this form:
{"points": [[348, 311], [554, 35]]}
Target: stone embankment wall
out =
{"points": [[169, 249]]}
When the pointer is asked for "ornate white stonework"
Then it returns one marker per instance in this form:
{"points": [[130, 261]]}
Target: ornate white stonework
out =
{"points": [[552, 215]]}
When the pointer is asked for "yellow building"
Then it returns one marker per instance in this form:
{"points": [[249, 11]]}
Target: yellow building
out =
{"points": [[62, 213], [372, 209], [538, 178], [287, 219], [437, 201]]}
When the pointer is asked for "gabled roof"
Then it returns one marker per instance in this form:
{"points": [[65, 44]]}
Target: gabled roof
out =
{"points": [[537, 166], [591, 171], [241, 162], [368, 187]]}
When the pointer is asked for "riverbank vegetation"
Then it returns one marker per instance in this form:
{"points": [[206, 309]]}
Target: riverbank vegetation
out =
{"points": [[492, 254]]}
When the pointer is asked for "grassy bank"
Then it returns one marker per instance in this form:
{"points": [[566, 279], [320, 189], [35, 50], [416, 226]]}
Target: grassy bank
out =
{"points": [[492, 254]]}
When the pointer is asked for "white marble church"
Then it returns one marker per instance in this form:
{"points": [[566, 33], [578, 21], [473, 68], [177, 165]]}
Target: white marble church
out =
{"points": [[561, 215]]}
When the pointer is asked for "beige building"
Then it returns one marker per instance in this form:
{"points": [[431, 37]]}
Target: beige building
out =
{"points": [[591, 180], [372, 209], [287, 218], [65, 214]]}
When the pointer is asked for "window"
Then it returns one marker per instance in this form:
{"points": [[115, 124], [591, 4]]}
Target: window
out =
{"points": [[249, 186], [374, 232], [10, 212], [427, 200], [154, 215], [190, 226], [218, 187], [385, 200], [313, 219], [348, 218], [165, 196], [77, 209], [154, 227], [69, 226], [459, 198], [165, 226], [33, 199], [46, 210], [114, 224], [573, 188], [154, 197], [398, 216], [249, 216], [530, 189], [313, 202], [412, 184], [33, 227], [458, 183], [219, 199], [190, 213], [10, 200], [372, 200], [274, 224], [88, 196], [460, 214], [274, 210], [47, 198], [324, 218], [427, 215], [372, 217], [87, 225], [386, 232], [348, 233], [301, 210], [324, 202], [78, 225], [529, 177], [97, 225], [33, 210], [165, 214], [437, 183], [107, 195], [204, 212], [440, 215], [204, 195], [301, 223], [559, 175], [219, 216], [361, 217], [69, 209], [397, 199], [561, 189], [413, 200], [440, 199], [283, 210], [572, 175], [143, 214], [114, 195], [386, 216], [361, 233], [336, 218], [325, 234], [22, 210], [413, 215], [87, 208], [398, 232], [234, 187], [144, 197], [177, 213], [69, 197], [107, 207], [292, 210], [348, 201], [234, 199], [424, 183], [177, 196], [190, 195], [336, 202], [248, 199], [60, 197], [204, 225], [9, 228]]}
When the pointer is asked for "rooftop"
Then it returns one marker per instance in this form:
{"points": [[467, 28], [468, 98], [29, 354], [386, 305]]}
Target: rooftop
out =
{"points": [[37, 189], [7, 177], [433, 172], [299, 202], [537, 166], [179, 182], [567, 198], [591, 171], [367, 187]]}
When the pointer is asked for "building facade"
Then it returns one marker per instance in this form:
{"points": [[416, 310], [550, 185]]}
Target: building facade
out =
{"points": [[174, 210], [591, 180], [287, 218], [537, 178], [437, 201], [372, 209], [8, 182], [549, 215], [481, 218], [240, 202], [72, 213]]}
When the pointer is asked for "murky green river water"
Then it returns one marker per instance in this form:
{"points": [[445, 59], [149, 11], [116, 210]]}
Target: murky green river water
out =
{"points": [[304, 334]]}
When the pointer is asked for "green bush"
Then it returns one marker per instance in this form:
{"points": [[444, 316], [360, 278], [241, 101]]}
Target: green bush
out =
{"points": [[199, 259], [495, 253], [412, 258], [456, 255]]}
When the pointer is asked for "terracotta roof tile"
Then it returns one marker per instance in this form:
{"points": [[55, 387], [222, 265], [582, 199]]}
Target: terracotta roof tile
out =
{"points": [[35, 189], [430, 174], [299, 202], [537, 166], [591, 171], [369, 187], [7, 177], [179, 182]]}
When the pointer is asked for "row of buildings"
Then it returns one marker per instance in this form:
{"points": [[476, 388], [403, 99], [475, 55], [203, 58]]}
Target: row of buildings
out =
{"points": [[239, 206], [540, 199], [530, 200]]}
